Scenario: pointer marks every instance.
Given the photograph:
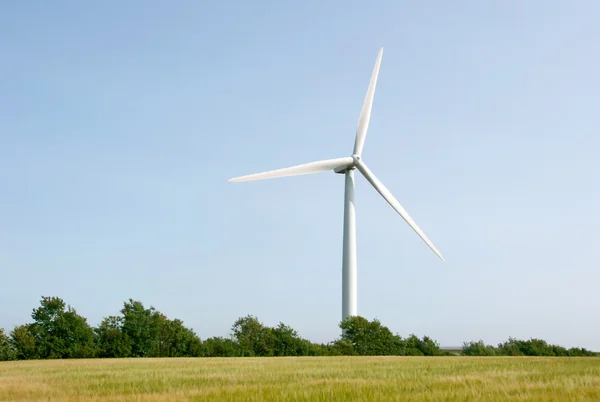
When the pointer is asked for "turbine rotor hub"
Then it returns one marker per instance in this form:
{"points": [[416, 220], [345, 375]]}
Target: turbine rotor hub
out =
{"points": [[352, 166]]}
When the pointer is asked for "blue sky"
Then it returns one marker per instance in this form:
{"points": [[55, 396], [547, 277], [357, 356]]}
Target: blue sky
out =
{"points": [[120, 124]]}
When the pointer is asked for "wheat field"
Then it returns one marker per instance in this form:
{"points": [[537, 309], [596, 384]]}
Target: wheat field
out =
{"points": [[303, 379]]}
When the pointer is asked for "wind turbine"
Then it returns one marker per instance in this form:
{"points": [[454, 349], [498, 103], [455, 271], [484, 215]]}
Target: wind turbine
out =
{"points": [[346, 166]]}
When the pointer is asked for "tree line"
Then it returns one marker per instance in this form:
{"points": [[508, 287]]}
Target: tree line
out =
{"points": [[59, 332]]}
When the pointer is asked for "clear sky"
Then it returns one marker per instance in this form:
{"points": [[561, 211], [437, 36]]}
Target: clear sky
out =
{"points": [[120, 123]]}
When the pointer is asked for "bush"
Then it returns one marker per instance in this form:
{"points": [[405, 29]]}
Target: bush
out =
{"points": [[478, 349], [57, 331], [7, 350]]}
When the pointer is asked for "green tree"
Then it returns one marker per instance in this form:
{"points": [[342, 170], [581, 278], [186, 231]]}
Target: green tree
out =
{"points": [[7, 349], [60, 332], [512, 347], [141, 326], [370, 338], [253, 338], [478, 348], [536, 347], [23, 340], [423, 347], [145, 332], [48, 340], [413, 346], [287, 342], [560, 351], [220, 347], [581, 352], [316, 349], [341, 347], [175, 340], [111, 340]]}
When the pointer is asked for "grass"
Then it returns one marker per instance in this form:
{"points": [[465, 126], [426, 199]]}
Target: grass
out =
{"points": [[289, 379]]}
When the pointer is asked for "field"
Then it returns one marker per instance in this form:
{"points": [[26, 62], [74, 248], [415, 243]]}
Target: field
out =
{"points": [[289, 379]]}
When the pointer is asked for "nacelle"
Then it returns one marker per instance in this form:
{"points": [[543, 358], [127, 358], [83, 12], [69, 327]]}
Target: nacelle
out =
{"points": [[352, 166]]}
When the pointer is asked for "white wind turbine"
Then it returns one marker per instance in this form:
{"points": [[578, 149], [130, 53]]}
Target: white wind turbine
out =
{"points": [[347, 166]]}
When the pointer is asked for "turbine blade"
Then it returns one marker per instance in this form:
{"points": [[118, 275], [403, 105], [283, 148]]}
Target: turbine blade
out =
{"points": [[365, 113], [307, 168], [387, 195]]}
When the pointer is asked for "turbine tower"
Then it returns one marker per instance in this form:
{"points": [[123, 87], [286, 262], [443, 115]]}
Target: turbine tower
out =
{"points": [[347, 166]]}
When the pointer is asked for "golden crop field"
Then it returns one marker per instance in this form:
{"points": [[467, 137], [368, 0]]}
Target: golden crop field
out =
{"points": [[305, 378]]}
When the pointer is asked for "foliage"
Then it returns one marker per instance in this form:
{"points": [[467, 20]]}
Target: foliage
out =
{"points": [[145, 332], [111, 340], [516, 347], [140, 326], [253, 338], [7, 350], [221, 347], [423, 347], [59, 332], [478, 349], [23, 339], [371, 338], [175, 340], [287, 342], [581, 352]]}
